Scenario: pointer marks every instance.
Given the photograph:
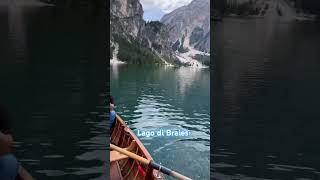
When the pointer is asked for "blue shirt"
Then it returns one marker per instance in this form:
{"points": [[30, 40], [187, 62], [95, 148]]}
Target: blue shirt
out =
{"points": [[112, 116], [9, 167]]}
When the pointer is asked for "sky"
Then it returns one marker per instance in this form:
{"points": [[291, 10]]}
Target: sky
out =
{"points": [[155, 9]]}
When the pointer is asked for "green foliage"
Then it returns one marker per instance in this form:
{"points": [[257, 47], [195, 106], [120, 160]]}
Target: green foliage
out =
{"points": [[111, 52], [216, 15], [181, 49], [133, 53], [173, 60], [154, 25], [156, 46], [225, 7], [196, 35], [175, 46], [219, 5], [203, 59], [242, 9], [112, 48], [182, 41]]}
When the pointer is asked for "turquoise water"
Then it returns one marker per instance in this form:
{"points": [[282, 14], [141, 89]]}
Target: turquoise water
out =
{"points": [[153, 98]]}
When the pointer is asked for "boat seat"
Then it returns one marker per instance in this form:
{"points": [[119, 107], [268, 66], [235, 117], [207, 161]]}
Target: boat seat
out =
{"points": [[132, 146], [115, 172], [116, 156]]}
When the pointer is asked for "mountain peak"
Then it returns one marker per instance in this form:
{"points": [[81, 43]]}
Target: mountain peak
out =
{"points": [[192, 23]]}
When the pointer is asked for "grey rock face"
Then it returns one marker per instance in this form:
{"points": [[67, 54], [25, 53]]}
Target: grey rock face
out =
{"points": [[126, 20], [192, 22]]}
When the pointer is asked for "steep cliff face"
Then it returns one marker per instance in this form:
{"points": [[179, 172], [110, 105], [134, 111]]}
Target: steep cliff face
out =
{"points": [[189, 25], [151, 42], [126, 18], [155, 36], [126, 22]]}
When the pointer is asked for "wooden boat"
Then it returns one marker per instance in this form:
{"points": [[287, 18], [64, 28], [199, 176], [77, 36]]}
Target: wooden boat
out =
{"points": [[121, 166]]}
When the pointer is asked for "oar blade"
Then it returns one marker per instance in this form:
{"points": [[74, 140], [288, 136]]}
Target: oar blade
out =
{"points": [[168, 171]]}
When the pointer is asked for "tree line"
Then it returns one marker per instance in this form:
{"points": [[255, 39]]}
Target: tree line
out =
{"points": [[224, 6]]}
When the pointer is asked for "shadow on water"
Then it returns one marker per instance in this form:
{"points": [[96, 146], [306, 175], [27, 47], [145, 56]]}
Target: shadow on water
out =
{"points": [[55, 81], [267, 108]]}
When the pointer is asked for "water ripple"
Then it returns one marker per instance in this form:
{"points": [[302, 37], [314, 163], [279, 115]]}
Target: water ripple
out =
{"points": [[167, 98]]}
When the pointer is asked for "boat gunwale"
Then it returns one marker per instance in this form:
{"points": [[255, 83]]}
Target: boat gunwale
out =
{"points": [[139, 144]]}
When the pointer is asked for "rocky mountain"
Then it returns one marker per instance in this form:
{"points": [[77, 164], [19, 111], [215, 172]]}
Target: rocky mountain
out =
{"points": [[126, 18], [129, 29], [140, 42], [189, 26]]}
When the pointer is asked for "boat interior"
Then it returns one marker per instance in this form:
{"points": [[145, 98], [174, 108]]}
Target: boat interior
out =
{"points": [[121, 166]]}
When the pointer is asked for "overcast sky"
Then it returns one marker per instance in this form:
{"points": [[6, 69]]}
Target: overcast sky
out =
{"points": [[155, 9]]}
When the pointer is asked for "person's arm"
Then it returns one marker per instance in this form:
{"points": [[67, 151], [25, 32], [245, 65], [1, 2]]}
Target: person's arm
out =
{"points": [[23, 174], [5, 143]]}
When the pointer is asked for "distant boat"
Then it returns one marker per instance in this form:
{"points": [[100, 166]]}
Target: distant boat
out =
{"points": [[122, 167]]}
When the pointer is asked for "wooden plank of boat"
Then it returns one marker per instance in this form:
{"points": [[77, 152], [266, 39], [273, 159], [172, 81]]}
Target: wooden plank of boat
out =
{"points": [[122, 167]]}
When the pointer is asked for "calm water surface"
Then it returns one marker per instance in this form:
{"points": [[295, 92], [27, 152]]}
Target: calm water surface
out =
{"points": [[149, 98], [54, 80], [267, 109]]}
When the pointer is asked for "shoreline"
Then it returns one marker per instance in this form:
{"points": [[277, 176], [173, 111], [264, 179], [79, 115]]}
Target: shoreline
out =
{"points": [[187, 58], [115, 60], [184, 58], [273, 9]]}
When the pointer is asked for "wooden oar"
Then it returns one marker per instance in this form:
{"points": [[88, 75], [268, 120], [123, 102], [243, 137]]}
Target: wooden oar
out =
{"points": [[150, 163]]}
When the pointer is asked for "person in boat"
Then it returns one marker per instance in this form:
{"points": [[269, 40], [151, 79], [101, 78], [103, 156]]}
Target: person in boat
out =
{"points": [[112, 113], [9, 166]]}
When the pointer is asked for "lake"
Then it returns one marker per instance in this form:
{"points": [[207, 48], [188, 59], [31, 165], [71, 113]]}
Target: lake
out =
{"points": [[160, 97], [55, 80], [267, 106]]}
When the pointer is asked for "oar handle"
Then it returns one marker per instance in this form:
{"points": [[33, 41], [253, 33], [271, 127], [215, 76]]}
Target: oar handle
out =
{"points": [[168, 171], [130, 154], [152, 164]]}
